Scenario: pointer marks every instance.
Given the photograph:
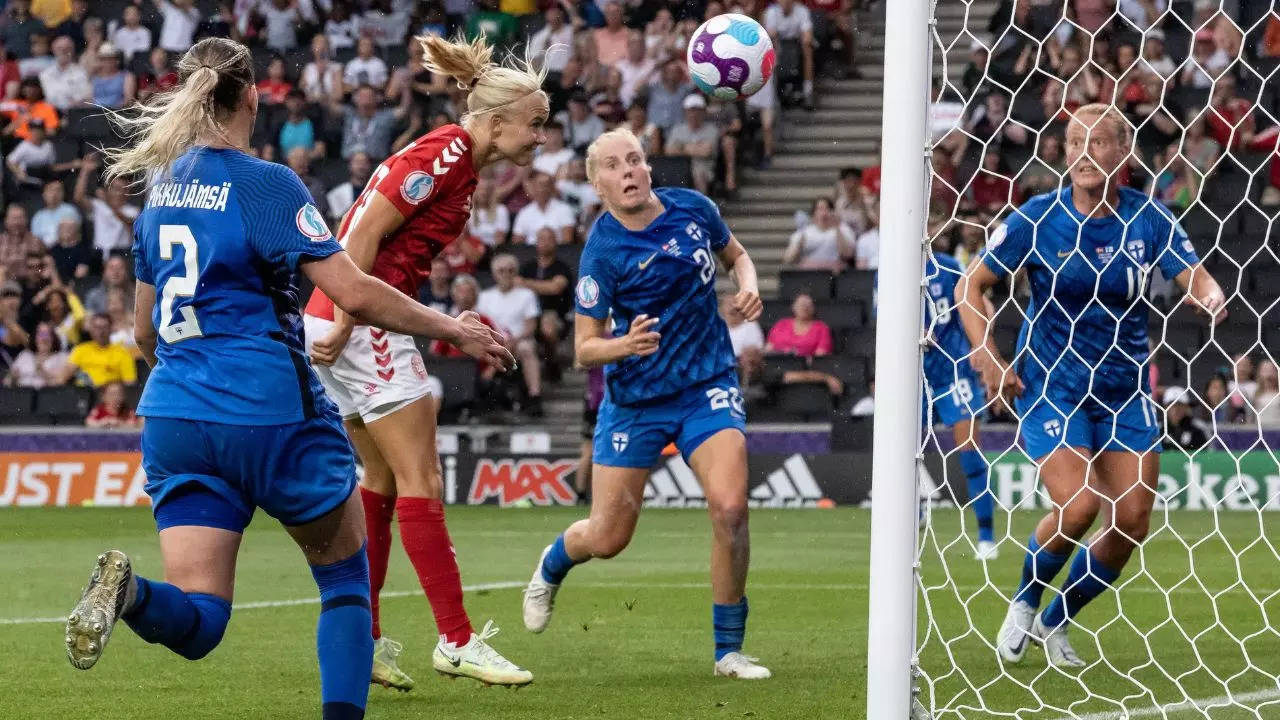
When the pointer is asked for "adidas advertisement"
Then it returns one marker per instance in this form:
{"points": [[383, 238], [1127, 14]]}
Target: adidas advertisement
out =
{"points": [[540, 480]]}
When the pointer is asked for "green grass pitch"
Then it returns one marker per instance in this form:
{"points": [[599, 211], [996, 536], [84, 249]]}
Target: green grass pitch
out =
{"points": [[631, 636]]}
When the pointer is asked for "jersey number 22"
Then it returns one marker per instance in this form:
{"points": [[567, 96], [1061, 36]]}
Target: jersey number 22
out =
{"points": [[179, 286]]}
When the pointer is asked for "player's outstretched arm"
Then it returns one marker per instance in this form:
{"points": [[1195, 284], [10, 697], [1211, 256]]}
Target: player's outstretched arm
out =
{"points": [[747, 301], [376, 303], [592, 347], [371, 221], [976, 314], [1203, 292], [144, 330]]}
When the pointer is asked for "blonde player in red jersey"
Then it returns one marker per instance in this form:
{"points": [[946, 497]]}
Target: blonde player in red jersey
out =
{"points": [[417, 202]]}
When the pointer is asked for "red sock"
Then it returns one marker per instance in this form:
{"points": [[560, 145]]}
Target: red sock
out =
{"points": [[378, 510], [426, 540]]}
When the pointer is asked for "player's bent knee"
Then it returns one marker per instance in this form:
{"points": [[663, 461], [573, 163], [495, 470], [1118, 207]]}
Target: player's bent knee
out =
{"points": [[212, 615], [728, 517]]}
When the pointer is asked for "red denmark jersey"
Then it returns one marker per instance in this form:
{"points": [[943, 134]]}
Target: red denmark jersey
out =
{"points": [[430, 182]]}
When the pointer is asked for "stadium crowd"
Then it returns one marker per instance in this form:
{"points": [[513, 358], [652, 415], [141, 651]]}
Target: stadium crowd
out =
{"points": [[341, 89]]}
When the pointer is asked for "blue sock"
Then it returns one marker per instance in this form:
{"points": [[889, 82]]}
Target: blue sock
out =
{"points": [[1039, 568], [975, 471], [1086, 580], [190, 624], [344, 636], [730, 625], [557, 563]]}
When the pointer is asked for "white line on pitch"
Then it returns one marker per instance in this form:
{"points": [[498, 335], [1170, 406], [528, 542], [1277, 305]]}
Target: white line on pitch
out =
{"points": [[1221, 702]]}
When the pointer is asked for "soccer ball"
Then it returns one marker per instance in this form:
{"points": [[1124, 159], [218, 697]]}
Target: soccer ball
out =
{"points": [[730, 57]]}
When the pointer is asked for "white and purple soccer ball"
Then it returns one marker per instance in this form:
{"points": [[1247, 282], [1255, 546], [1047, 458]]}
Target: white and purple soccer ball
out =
{"points": [[730, 57]]}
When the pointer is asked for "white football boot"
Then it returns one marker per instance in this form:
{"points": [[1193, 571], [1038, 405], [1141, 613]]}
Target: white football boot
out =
{"points": [[987, 550], [1057, 647], [539, 598], [479, 661], [110, 592], [742, 667], [1016, 632]]}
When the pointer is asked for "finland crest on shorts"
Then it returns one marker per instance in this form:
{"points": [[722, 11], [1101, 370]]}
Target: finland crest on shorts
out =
{"points": [[620, 440]]}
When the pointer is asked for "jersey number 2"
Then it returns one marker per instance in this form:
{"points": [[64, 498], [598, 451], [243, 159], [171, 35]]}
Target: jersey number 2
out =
{"points": [[179, 286]]}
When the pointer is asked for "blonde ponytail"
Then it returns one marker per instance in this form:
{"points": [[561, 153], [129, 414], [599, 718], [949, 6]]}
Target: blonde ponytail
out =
{"points": [[211, 76], [492, 87]]}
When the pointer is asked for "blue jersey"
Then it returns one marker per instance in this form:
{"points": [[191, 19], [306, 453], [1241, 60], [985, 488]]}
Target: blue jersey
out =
{"points": [[667, 271], [946, 358], [1086, 332], [220, 238]]}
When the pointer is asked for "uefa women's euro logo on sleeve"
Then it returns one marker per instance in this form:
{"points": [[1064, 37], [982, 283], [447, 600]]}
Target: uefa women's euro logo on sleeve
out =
{"points": [[416, 187], [311, 223], [588, 292]]}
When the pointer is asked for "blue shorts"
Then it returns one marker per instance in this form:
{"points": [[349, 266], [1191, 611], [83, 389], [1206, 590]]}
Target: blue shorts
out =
{"points": [[962, 398], [634, 435], [1049, 423], [215, 475]]}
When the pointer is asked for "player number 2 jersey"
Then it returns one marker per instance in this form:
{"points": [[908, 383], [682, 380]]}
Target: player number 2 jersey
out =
{"points": [[665, 271], [220, 239], [430, 181], [1087, 326]]}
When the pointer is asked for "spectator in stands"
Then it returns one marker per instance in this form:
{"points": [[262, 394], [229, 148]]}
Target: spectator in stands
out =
{"points": [[342, 197], [1155, 55], [13, 337], [297, 130], [1215, 409], [501, 28], [1266, 398], [95, 36], [299, 161], [1205, 63], [73, 25], [58, 307], [40, 60], [697, 140], [341, 29], [1048, 171], [514, 310], [42, 364], [113, 87], [178, 30], [727, 119], [551, 280], [867, 246], [1233, 123], [553, 155], [44, 224], [1177, 184], [111, 410], [801, 334], [65, 84], [851, 203], [465, 254], [274, 88], [99, 359], [1198, 148], [546, 211], [665, 103], [647, 133], [437, 295], [414, 84], [109, 207], [74, 257], [465, 291], [322, 77], [1242, 386], [990, 189], [1182, 428], [115, 276], [16, 242], [281, 19], [120, 310], [555, 31], [611, 40], [131, 36], [579, 194], [746, 337], [581, 127], [824, 243], [33, 158], [791, 26], [19, 27], [160, 75], [366, 128], [365, 69], [490, 219], [30, 106]]}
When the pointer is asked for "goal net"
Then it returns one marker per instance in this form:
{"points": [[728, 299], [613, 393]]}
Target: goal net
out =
{"points": [[1189, 628]]}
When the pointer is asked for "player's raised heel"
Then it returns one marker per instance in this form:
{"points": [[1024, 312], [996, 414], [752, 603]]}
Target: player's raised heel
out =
{"points": [[90, 623], [742, 667], [385, 670], [1016, 632], [539, 598], [1057, 647], [479, 661]]}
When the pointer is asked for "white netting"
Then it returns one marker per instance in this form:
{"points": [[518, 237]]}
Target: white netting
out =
{"points": [[1190, 628]]}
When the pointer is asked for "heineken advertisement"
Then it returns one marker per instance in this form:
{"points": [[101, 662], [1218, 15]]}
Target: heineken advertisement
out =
{"points": [[1209, 480]]}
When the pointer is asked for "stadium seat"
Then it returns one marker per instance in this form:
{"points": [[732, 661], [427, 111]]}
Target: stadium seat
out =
{"points": [[671, 171], [778, 363], [842, 315], [805, 402], [859, 341], [1201, 226], [331, 172], [67, 405], [852, 371], [1236, 337], [522, 253], [856, 285], [815, 283], [765, 410], [457, 375], [16, 405], [774, 310], [570, 255]]}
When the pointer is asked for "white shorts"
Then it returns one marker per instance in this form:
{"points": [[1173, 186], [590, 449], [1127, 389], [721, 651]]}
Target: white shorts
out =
{"points": [[378, 372]]}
